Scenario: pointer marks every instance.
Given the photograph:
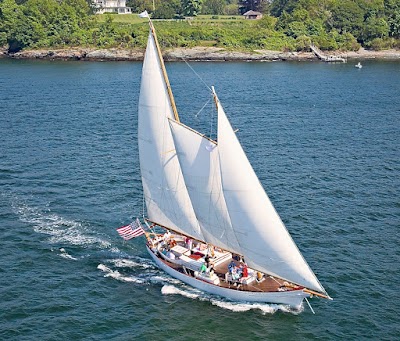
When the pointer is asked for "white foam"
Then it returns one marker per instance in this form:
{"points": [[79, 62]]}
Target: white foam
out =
{"points": [[128, 263], [265, 308], [161, 279], [60, 230], [171, 290], [66, 255], [118, 276]]}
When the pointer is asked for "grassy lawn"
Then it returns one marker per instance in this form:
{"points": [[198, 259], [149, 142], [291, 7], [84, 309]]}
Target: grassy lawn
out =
{"points": [[134, 18], [121, 18], [231, 32]]}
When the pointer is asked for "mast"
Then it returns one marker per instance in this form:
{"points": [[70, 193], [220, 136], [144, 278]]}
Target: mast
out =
{"points": [[166, 197], [164, 71], [215, 97]]}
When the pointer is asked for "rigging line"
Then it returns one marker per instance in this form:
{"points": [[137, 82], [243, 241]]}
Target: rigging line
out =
{"points": [[202, 107], [211, 122], [143, 203], [309, 305], [196, 74]]}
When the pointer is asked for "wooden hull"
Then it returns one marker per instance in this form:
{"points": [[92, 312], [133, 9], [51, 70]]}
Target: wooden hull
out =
{"points": [[292, 298]]}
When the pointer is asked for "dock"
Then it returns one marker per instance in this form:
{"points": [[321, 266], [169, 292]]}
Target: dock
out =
{"points": [[326, 58]]}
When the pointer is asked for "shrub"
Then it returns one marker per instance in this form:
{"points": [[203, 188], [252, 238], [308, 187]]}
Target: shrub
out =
{"points": [[382, 44], [302, 43]]}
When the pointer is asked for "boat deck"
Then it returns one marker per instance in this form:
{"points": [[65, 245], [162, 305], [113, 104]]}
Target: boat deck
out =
{"points": [[250, 283]]}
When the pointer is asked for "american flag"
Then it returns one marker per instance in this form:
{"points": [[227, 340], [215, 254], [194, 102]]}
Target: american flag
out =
{"points": [[132, 230]]}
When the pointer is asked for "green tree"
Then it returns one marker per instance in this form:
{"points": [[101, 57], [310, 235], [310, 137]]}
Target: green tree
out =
{"points": [[139, 6], [375, 28], [392, 12], [251, 5], [347, 16], [279, 6], [215, 7], [165, 11], [267, 22], [191, 8], [18, 31], [9, 13]]}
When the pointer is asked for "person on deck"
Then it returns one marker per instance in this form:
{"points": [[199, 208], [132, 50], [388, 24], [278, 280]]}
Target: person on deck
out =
{"points": [[210, 251], [245, 270], [203, 268], [231, 266], [210, 269], [235, 274], [207, 260], [260, 277], [172, 243], [189, 243], [167, 236]]}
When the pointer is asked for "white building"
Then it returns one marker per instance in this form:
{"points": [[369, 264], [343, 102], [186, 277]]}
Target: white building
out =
{"points": [[110, 6]]}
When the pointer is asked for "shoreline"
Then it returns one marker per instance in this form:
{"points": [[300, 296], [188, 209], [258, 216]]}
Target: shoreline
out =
{"points": [[191, 54]]}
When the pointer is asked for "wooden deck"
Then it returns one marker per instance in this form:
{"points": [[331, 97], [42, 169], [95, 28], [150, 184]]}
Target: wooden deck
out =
{"points": [[267, 284], [325, 58]]}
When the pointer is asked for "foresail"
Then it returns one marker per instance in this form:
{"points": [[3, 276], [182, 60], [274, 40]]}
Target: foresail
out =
{"points": [[198, 157], [166, 196], [265, 241]]}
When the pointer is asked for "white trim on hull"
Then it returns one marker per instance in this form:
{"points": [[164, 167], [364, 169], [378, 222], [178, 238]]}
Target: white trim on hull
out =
{"points": [[292, 298]]}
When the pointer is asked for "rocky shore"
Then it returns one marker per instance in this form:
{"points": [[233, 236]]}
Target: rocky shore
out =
{"points": [[193, 54]]}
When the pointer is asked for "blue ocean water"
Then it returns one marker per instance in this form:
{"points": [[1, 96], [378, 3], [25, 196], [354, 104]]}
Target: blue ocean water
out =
{"points": [[324, 140]]}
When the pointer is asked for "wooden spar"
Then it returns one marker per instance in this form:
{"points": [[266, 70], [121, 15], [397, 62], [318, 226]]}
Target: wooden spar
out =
{"points": [[315, 293], [164, 71], [168, 228], [196, 132], [215, 97]]}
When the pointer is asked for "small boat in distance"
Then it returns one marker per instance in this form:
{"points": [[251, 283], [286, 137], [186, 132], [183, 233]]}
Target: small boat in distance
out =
{"points": [[209, 221], [358, 65]]}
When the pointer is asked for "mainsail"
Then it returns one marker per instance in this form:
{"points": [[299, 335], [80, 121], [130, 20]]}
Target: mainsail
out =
{"points": [[165, 192]]}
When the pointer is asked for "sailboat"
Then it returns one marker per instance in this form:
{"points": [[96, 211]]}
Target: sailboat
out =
{"points": [[209, 221]]}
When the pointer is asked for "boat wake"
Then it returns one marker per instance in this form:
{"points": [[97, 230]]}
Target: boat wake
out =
{"points": [[192, 293], [117, 275], [66, 255], [137, 262], [141, 271], [59, 229], [133, 269]]}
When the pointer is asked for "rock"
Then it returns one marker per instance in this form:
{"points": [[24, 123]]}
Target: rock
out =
{"points": [[178, 54]]}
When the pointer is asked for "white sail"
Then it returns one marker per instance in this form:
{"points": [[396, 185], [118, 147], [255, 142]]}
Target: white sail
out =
{"points": [[166, 196], [265, 241], [198, 157]]}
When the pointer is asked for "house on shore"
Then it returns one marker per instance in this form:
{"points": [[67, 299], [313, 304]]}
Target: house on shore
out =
{"points": [[253, 15], [112, 6]]}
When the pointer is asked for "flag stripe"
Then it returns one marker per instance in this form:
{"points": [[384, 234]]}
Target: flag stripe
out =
{"points": [[132, 230]]}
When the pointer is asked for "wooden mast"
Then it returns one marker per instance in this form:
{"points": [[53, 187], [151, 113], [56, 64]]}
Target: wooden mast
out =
{"points": [[215, 97], [164, 71]]}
